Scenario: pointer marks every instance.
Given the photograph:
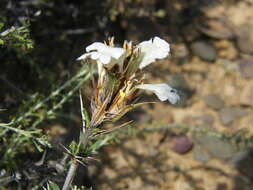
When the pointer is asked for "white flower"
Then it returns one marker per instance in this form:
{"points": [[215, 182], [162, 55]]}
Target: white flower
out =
{"points": [[163, 91], [104, 54], [153, 49]]}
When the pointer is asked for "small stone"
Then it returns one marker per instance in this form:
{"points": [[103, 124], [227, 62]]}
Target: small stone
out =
{"points": [[246, 67], [229, 52], [245, 38], [204, 50], [214, 101], [180, 51], [247, 95], [182, 144], [200, 154], [207, 119], [230, 114], [216, 147], [216, 29], [228, 65]]}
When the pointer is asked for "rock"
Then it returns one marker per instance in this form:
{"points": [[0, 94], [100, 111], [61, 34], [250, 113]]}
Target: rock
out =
{"points": [[246, 67], [247, 95], [230, 114], [206, 119], [214, 101], [200, 154], [226, 49], [182, 144], [216, 147], [245, 38], [216, 29], [204, 50], [228, 65], [180, 51], [180, 54]]}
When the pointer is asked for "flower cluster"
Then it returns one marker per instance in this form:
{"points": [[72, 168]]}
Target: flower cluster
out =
{"points": [[120, 77]]}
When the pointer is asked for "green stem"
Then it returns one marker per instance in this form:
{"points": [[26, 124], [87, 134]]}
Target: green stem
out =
{"points": [[74, 164]]}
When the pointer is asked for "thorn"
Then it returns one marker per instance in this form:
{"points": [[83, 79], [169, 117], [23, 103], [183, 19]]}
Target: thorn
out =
{"points": [[41, 161], [82, 114]]}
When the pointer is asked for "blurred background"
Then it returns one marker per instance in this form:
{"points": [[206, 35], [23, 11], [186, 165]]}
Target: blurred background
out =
{"points": [[202, 143]]}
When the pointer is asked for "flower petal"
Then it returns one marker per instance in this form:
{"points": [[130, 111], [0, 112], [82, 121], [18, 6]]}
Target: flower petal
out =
{"points": [[163, 45], [95, 46], [84, 56], [105, 54], [162, 91], [153, 49], [103, 58], [116, 52]]}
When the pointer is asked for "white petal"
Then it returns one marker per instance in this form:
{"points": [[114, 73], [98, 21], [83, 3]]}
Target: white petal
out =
{"points": [[95, 46], [84, 56], [105, 59], [105, 54], [94, 55], [162, 44], [162, 91], [153, 49], [117, 52], [114, 52]]}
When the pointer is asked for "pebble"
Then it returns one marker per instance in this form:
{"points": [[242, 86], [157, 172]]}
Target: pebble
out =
{"points": [[216, 29], [214, 101], [244, 38], [246, 67], [216, 147], [200, 154], [230, 114], [207, 119], [180, 51], [229, 53], [246, 97], [182, 144], [204, 50]]}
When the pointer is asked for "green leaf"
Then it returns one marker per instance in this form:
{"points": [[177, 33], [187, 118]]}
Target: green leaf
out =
{"points": [[51, 186], [99, 143], [1, 42]]}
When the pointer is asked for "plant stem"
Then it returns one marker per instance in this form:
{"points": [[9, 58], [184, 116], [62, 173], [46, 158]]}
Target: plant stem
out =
{"points": [[83, 141], [74, 164], [70, 175]]}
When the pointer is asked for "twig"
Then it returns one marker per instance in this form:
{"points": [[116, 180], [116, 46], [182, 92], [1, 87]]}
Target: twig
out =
{"points": [[82, 142], [74, 162], [70, 175]]}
